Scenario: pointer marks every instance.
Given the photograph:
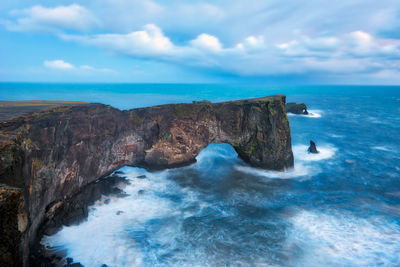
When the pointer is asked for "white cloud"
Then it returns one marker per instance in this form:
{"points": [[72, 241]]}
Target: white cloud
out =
{"points": [[361, 38], [350, 52], [244, 37], [252, 43], [62, 65], [207, 42], [39, 18], [149, 41], [362, 44], [58, 64], [305, 46], [93, 69]]}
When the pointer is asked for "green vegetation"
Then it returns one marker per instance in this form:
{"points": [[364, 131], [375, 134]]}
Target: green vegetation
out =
{"points": [[285, 120], [188, 111], [135, 118], [9, 156], [257, 108], [62, 109], [252, 148], [272, 110], [36, 163], [167, 136]]}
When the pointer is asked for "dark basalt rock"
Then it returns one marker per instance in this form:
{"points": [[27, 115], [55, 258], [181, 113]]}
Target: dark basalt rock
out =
{"points": [[296, 108], [72, 211], [48, 157], [313, 148]]}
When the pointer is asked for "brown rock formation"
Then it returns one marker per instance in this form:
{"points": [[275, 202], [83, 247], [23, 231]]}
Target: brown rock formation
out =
{"points": [[50, 155]]}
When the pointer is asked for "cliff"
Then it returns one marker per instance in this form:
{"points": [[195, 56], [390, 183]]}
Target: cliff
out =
{"points": [[48, 156]]}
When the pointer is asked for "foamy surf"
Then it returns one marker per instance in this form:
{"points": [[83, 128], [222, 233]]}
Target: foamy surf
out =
{"points": [[114, 232], [325, 152], [314, 113], [340, 239], [216, 213], [299, 170], [302, 167]]}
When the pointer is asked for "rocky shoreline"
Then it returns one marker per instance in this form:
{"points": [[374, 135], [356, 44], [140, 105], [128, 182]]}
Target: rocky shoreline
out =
{"points": [[49, 156], [73, 211]]}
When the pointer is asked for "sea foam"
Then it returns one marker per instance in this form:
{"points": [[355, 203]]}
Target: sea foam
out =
{"points": [[341, 239], [114, 233], [299, 170], [313, 114], [303, 166], [325, 152]]}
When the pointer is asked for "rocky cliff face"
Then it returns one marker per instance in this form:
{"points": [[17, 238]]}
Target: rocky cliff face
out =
{"points": [[51, 155]]}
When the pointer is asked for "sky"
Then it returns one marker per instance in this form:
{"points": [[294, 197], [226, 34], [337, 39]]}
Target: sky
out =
{"points": [[251, 41]]}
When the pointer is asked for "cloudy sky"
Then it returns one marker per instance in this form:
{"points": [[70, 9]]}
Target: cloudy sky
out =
{"points": [[276, 41]]}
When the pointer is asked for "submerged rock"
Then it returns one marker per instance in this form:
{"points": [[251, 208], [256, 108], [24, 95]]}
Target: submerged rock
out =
{"points": [[141, 176], [313, 148], [296, 108]]}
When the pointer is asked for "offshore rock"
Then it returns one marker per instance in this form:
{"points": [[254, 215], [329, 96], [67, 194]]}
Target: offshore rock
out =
{"points": [[313, 148], [49, 156], [296, 108]]}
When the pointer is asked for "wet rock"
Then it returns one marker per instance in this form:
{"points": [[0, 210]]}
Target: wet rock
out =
{"points": [[296, 108], [313, 148], [140, 192], [119, 212], [141, 176]]}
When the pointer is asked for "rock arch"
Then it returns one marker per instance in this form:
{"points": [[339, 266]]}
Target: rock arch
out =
{"points": [[50, 155]]}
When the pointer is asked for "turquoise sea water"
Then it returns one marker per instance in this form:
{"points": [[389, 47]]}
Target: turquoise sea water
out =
{"points": [[338, 208]]}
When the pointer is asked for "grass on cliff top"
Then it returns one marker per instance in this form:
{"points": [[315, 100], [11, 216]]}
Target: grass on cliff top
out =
{"points": [[30, 103], [11, 109]]}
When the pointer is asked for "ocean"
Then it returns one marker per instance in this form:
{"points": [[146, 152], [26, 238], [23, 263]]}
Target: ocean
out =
{"points": [[340, 207]]}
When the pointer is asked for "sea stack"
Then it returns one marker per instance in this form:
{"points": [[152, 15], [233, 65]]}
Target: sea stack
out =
{"points": [[295, 108], [313, 148]]}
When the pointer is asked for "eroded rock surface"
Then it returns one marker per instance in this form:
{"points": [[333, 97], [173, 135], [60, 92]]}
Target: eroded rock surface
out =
{"points": [[49, 156]]}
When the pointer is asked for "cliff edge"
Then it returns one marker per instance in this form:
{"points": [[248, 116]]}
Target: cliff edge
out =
{"points": [[50, 155]]}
